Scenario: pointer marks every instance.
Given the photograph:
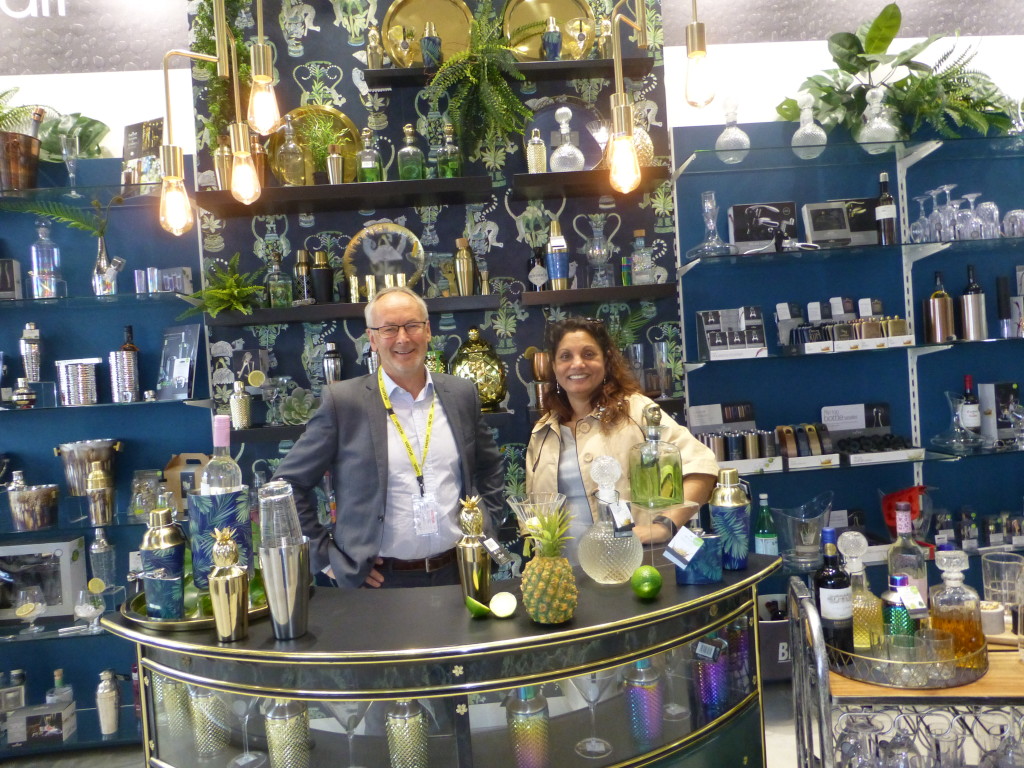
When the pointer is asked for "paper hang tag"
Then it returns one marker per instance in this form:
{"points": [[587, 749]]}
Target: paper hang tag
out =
{"points": [[912, 600], [622, 518], [684, 545], [498, 553], [706, 651]]}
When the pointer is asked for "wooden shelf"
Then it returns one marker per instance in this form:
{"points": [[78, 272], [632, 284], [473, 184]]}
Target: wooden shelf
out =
{"points": [[333, 197], [318, 313], [635, 66], [582, 183], [597, 295]]}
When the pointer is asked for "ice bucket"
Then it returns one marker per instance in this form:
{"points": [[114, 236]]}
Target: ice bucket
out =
{"points": [[19, 160], [78, 458], [799, 531], [34, 507]]}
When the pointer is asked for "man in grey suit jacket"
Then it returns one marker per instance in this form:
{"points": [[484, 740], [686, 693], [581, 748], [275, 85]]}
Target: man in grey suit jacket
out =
{"points": [[402, 447]]}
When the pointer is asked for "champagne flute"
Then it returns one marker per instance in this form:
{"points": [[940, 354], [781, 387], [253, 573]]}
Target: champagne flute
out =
{"points": [[29, 606], [90, 606], [591, 687], [349, 714], [244, 708], [69, 150]]}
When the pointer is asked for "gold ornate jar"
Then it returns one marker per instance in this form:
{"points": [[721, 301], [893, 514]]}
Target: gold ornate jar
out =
{"points": [[477, 361]]}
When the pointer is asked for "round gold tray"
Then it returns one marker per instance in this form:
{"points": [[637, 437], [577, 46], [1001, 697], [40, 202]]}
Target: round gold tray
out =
{"points": [[917, 675], [135, 611]]}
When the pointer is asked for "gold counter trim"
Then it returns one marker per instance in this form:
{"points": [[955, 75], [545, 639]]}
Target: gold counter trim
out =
{"points": [[447, 654]]}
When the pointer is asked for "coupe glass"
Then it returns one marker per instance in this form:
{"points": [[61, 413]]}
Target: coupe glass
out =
{"points": [[90, 606], [919, 229], [244, 708], [592, 687], [69, 151], [30, 596], [349, 714]]}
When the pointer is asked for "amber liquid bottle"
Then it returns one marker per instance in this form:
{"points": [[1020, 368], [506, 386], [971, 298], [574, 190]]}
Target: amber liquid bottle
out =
{"points": [[939, 312]]}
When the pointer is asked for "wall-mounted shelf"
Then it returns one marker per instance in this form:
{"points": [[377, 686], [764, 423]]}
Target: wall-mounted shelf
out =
{"points": [[582, 183], [333, 197], [318, 313], [636, 66], [598, 295]]}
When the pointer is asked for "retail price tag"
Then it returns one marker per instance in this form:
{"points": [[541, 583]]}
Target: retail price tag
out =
{"points": [[556, 241], [1017, 542], [912, 599], [683, 546], [622, 516], [706, 651], [498, 553]]}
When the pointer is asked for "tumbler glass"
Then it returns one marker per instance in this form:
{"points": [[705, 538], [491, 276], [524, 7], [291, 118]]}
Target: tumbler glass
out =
{"points": [[279, 519], [999, 574]]}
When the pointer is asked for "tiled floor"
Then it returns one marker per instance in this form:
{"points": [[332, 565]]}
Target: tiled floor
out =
{"points": [[779, 741]]}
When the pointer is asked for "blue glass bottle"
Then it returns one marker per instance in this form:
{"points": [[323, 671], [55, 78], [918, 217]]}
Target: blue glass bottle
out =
{"points": [[430, 47], [551, 41]]}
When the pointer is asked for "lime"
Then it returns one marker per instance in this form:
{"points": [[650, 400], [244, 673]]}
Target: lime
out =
{"points": [[256, 378], [646, 582], [25, 610], [476, 608], [96, 586], [503, 604]]}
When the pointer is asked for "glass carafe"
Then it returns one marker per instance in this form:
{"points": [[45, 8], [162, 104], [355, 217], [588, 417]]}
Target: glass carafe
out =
{"points": [[655, 467], [957, 438], [713, 244], [598, 248], [606, 554]]}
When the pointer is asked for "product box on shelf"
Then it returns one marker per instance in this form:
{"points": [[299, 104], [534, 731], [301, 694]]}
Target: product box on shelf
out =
{"points": [[773, 639], [752, 227], [730, 431], [860, 212], [10, 279], [862, 433], [827, 224], [41, 724], [731, 334], [995, 401], [182, 475], [12, 697], [56, 566]]}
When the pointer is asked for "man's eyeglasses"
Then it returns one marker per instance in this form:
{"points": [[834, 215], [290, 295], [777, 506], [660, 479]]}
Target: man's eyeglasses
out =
{"points": [[390, 331]]}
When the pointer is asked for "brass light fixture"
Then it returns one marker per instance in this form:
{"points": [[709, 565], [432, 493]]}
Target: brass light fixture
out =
{"points": [[263, 115], [700, 89], [622, 158]]}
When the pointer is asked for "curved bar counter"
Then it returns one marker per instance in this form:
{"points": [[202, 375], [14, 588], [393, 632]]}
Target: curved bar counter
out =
{"points": [[388, 645]]}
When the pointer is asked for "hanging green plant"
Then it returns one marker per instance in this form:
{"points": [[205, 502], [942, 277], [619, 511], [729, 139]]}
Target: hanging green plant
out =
{"points": [[481, 103], [220, 102], [93, 221], [226, 289], [947, 96]]}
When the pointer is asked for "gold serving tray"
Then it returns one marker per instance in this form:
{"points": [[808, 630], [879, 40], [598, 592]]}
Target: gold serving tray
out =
{"points": [[346, 135], [452, 19], [521, 12], [379, 240], [134, 610]]}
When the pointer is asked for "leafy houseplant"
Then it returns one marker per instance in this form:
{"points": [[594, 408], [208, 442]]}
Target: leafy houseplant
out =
{"points": [[481, 103], [226, 289], [94, 222], [948, 96], [12, 118], [219, 93]]}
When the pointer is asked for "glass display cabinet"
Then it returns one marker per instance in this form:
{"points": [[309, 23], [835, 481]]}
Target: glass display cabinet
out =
{"points": [[408, 678]]}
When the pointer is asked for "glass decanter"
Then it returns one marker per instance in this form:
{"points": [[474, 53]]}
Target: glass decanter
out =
{"points": [[607, 555], [713, 244], [411, 163], [368, 163], [957, 438], [879, 132], [655, 466], [867, 607], [292, 158], [732, 144], [47, 281], [567, 156], [956, 608], [810, 138]]}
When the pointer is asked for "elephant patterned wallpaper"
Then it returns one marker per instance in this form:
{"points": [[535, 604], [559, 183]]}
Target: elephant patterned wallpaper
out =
{"points": [[319, 60]]}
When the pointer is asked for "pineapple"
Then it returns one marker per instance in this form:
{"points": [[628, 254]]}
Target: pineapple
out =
{"points": [[549, 586]]}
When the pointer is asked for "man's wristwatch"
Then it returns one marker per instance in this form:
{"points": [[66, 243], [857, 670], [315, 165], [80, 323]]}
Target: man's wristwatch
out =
{"points": [[668, 522]]}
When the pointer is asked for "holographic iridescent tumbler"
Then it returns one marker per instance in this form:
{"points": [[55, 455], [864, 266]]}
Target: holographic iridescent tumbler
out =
{"points": [[527, 715], [710, 679], [644, 696], [738, 635]]}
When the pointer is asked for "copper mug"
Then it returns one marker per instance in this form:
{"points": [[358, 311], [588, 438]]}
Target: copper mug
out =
{"points": [[541, 364]]}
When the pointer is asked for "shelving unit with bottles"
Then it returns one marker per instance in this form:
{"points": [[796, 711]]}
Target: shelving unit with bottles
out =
{"points": [[911, 379]]}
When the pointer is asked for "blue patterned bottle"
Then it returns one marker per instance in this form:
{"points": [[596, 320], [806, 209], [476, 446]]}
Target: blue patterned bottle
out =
{"points": [[730, 518], [163, 544], [644, 697], [430, 47], [551, 41]]}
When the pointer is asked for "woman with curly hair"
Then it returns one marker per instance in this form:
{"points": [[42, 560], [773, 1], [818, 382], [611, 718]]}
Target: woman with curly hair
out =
{"points": [[595, 408]]}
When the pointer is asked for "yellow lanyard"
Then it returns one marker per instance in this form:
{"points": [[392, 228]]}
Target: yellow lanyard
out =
{"points": [[417, 466]]}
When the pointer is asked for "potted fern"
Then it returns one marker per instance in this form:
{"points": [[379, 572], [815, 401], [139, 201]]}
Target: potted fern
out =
{"points": [[227, 290]]}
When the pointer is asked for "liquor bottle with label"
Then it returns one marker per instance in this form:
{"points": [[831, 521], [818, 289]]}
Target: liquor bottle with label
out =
{"points": [[834, 597], [970, 409], [60, 693], [537, 271], [766, 539], [368, 163], [956, 608], [896, 618], [567, 156], [885, 212], [642, 264], [972, 309], [411, 163], [536, 154], [939, 313], [867, 609], [222, 474], [449, 157], [906, 555], [278, 284]]}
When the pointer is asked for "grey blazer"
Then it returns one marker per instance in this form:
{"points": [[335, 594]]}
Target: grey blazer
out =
{"points": [[348, 436]]}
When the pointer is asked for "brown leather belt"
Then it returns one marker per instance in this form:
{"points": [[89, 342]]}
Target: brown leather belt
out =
{"points": [[427, 564]]}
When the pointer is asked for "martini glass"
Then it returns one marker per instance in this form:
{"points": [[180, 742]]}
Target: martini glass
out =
{"points": [[349, 714], [244, 708], [30, 605], [591, 687], [601, 130]]}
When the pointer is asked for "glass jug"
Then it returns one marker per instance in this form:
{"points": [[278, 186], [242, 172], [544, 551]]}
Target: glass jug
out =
{"points": [[598, 248]]}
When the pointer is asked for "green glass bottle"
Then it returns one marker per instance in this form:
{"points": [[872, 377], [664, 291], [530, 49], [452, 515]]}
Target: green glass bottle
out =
{"points": [[278, 284], [766, 540], [449, 157], [411, 164], [368, 164]]}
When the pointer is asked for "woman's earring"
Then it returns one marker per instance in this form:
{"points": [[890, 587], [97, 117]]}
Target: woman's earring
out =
{"points": [[558, 389]]}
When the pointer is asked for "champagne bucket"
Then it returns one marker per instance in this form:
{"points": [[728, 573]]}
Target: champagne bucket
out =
{"points": [[19, 160], [34, 507], [77, 381], [286, 581], [78, 458]]}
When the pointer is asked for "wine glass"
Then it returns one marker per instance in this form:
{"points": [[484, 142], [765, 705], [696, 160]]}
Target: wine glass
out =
{"points": [[69, 150], [349, 714], [591, 687], [273, 390], [919, 229], [244, 708], [90, 606], [677, 666], [857, 740], [29, 606]]}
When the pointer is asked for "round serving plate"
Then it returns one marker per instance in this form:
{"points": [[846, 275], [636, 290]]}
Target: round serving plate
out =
{"points": [[384, 248], [321, 119], [519, 13], [407, 18]]}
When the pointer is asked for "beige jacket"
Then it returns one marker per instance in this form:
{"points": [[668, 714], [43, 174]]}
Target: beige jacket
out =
{"points": [[545, 446]]}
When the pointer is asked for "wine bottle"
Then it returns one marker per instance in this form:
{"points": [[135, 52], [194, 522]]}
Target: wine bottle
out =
{"points": [[885, 212], [970, 409], [939, 312], [222, 474], [766, 539], [905, 555], [833, 593], [972, 309], [537, 272]]}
